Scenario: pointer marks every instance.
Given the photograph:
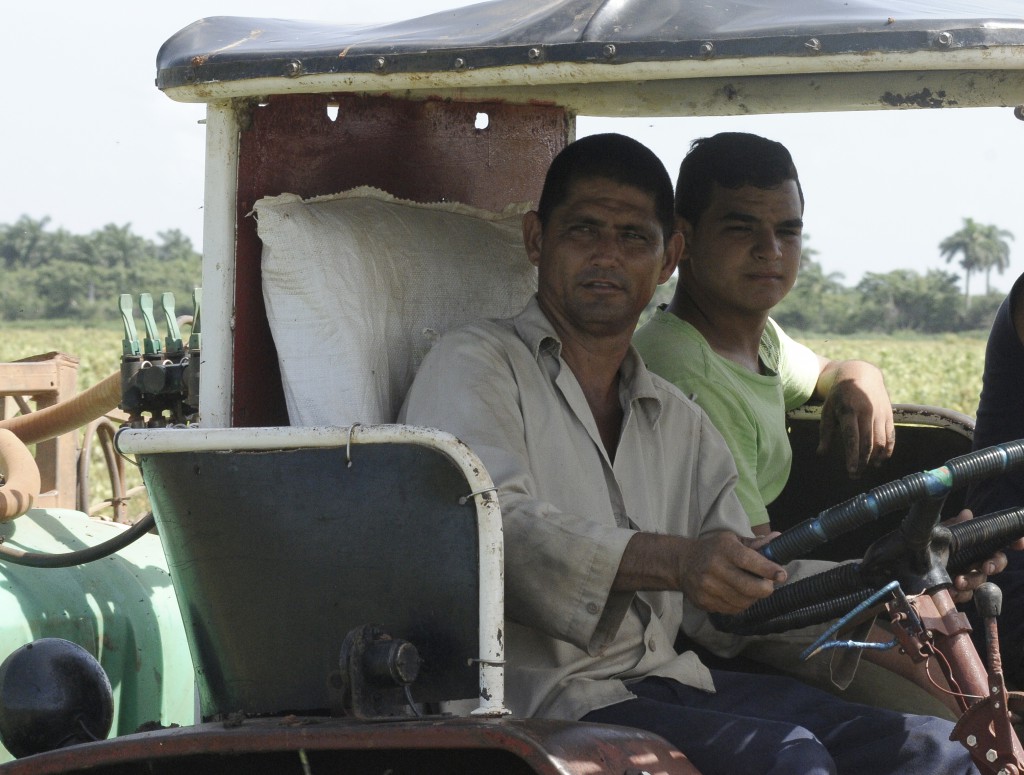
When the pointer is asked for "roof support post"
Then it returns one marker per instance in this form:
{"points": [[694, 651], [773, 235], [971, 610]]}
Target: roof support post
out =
{"points": [[219, 228]]}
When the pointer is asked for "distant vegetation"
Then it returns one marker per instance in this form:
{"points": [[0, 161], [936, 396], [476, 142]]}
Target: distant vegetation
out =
{"points": [[883, 303], [902, 300], [980, 247], [937, 370], [56, 275]]}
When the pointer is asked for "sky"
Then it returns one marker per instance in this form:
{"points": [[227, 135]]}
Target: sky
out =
{"points": [[87, 140]]}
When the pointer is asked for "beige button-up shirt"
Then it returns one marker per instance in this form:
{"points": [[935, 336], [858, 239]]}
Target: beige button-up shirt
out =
{"points": [[572, 644]]}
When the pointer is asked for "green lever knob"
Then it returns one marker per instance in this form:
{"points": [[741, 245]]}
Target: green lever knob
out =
{"points": [[151, 343], [196, 339], [172, 342], [130, 343]]}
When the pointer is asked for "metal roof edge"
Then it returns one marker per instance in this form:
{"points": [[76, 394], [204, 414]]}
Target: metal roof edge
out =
{"points": [[543, 74]]}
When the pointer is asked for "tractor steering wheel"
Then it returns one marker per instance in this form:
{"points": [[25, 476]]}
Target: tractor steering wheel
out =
{"points": [[920, 554]]}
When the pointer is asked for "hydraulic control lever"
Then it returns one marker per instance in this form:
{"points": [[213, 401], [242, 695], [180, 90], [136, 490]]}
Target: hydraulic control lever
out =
{"points": [[160, 380], [985, 728]]}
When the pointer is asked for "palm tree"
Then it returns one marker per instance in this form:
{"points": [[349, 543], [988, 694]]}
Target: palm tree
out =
{"points": [[980, 247], [999, 252]]}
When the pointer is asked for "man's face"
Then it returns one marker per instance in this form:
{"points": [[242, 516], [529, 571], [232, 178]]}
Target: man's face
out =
{"points": [[744, 253], [599, 257]]}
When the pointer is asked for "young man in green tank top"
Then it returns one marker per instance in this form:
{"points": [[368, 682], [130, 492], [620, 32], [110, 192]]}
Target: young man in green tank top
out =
{"points": [[740, 208]]}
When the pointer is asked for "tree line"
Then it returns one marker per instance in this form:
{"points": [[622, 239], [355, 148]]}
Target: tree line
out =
{"points": [[883, 303], [53, 274], [903, 300], [57, 275]]}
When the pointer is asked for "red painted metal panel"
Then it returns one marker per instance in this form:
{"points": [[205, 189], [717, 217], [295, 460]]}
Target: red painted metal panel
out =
{"points": [[426, 151]]}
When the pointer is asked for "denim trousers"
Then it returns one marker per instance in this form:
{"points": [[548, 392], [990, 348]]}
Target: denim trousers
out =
{"points": [[774, 724]]}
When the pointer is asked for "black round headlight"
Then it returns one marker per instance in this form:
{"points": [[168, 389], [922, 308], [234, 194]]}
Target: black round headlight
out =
{"points": [[53, 693]]}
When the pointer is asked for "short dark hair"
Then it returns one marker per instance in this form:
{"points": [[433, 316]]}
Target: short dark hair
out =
{"points": [[732, 160], [613, 157]]}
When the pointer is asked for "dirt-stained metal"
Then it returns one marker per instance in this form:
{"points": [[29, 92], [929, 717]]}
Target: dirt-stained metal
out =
{"points": [[433, 744]]}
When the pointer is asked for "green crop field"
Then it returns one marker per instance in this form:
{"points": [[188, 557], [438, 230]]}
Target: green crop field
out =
{"points": [[943, 370], [98, 349], [939, 371]]}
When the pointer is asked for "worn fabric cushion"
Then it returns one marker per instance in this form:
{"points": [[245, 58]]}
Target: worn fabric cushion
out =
{"points": [[358, 286]]}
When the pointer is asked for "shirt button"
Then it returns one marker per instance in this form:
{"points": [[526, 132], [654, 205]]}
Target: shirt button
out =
{"points": [[652, 645], [591, 608]]}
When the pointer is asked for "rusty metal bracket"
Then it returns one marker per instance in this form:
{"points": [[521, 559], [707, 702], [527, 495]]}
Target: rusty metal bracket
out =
{"points": [[916, 621], [985, 730], [375, 673]]}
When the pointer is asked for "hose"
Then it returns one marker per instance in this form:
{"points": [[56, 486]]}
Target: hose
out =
{"points": [[69, 415], [806, 601], [833, 592], [21, 480], [21, 474], [103, 431], [79, 556], [977, 539], [866, 507]]}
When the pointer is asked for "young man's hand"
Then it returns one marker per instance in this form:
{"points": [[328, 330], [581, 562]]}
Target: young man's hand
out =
{"points": [[857, 411]]}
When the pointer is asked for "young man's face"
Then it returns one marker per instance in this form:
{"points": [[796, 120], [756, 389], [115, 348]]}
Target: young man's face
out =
{"points": [[744, 253], [600, 256]]}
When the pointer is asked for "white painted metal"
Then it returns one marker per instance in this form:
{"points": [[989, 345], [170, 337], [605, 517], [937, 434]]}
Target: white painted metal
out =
{"points": [[217, 311]]}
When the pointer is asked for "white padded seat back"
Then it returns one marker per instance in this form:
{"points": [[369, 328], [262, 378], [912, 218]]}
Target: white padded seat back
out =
{"points": [[359, 285]]}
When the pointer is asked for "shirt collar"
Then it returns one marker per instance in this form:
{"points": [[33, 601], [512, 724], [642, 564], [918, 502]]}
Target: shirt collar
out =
{"points": [[637, 386], [534, 328], [637, 383]]}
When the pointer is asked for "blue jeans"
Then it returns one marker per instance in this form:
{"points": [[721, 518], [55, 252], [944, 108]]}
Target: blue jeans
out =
{"points": [[774, 724]]}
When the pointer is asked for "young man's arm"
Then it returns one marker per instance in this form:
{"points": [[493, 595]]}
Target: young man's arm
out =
{"points": [[858, 409]]}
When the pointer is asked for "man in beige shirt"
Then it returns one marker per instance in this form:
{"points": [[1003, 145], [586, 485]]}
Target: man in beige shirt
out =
{"points": [[621, 524]]}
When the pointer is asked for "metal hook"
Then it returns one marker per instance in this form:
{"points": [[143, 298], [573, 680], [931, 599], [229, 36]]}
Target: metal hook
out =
{"points": [[348, 445], [490, 662], [117, 448], [463, 500]]}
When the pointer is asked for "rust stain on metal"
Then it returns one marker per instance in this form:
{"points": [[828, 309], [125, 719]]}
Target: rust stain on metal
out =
{"points": [[925, 98], [542, 747], [235, 719]]}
